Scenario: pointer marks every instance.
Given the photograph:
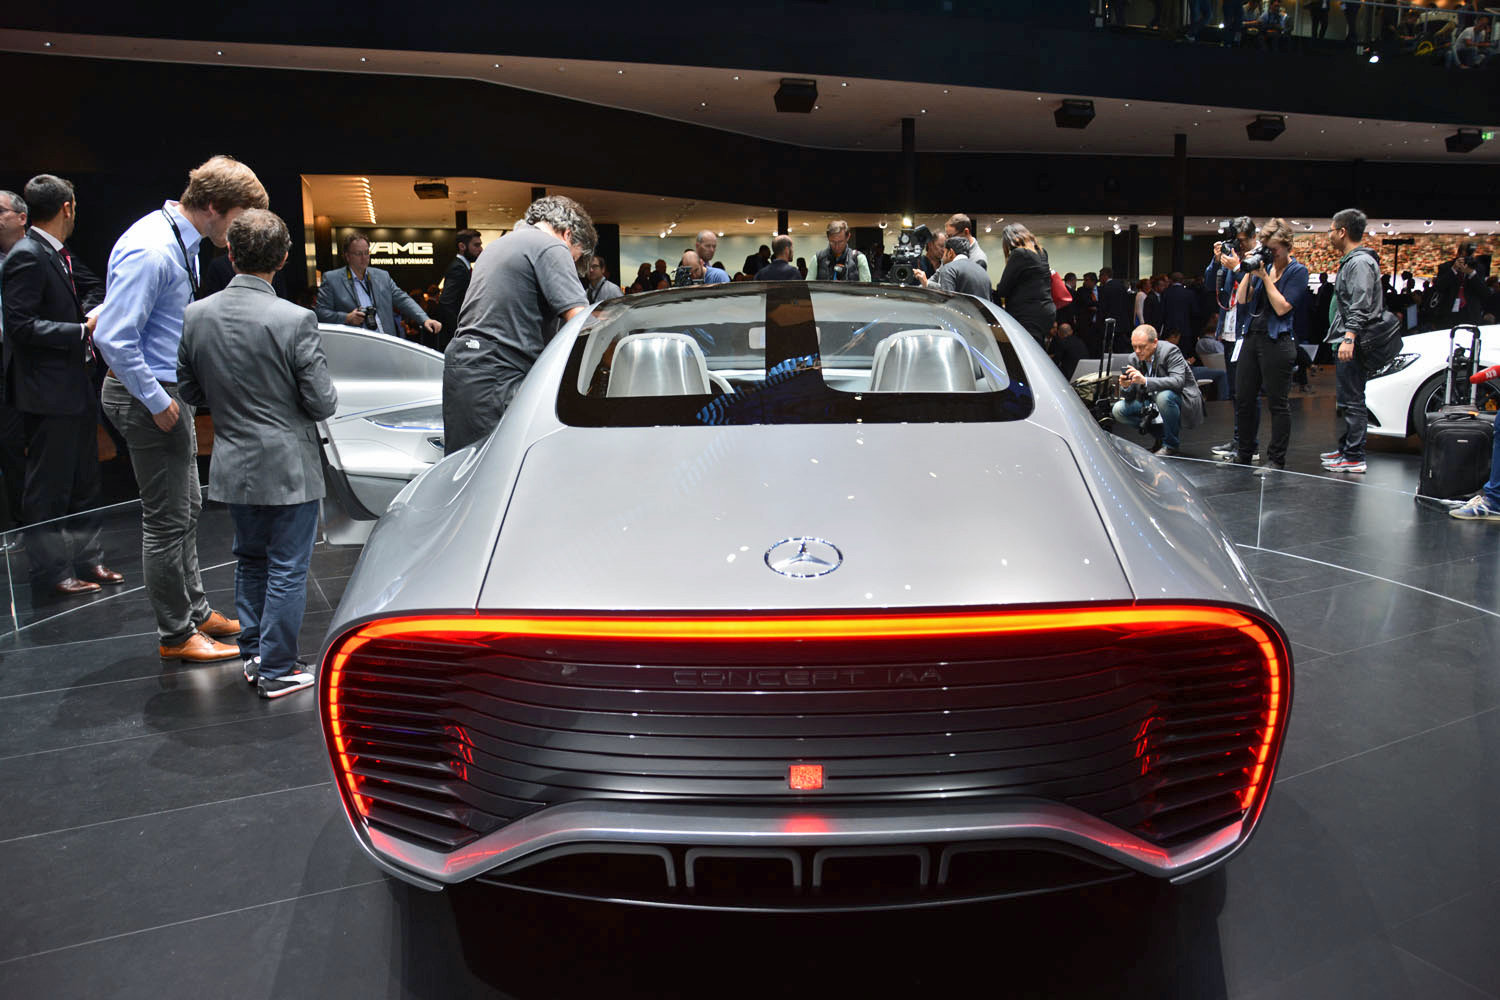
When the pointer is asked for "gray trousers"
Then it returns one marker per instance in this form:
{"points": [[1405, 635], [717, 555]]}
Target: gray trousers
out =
{"points": [[166, 471]]}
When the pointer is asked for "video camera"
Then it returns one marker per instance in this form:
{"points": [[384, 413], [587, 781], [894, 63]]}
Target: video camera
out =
{"points": [[909, 256]]}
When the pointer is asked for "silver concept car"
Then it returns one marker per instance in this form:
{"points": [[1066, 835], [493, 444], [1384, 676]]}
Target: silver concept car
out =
{"points": [[779, 595]]}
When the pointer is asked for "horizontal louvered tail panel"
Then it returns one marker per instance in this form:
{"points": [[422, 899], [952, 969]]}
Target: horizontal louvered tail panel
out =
{"points": [[1164, 721]]}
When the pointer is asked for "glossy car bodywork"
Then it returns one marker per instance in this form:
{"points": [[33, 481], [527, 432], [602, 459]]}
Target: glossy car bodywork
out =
{"points": [[388, 428], [588, 618], [1412, 385]]}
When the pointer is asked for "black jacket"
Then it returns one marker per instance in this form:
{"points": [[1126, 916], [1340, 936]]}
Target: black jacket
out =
{"points": [[779, 270], [1026, 289], [1115, 300], [48, 364], [455, 284], [1177, 312]]}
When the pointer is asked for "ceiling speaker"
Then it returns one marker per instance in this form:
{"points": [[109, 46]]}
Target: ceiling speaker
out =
{"points": [[796, 96], [1266, 127], [1074, 114]]}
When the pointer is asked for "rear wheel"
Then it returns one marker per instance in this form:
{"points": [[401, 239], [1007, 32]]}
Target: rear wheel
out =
{"points": [[1429, 399]]}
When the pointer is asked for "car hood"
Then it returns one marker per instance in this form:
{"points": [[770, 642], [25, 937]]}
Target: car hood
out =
{"points": [[682, 518]]}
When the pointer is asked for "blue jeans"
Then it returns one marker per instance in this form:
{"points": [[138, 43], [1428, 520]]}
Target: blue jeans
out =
{"points": [[1350, 413], [274, 545], [1492, 488], [1128, 411]]}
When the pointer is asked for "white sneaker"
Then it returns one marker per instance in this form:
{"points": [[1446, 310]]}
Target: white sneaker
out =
{"points": [[281, 686]]}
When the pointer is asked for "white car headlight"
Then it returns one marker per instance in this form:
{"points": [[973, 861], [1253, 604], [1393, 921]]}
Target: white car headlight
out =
{"points": [[1397, 363]]}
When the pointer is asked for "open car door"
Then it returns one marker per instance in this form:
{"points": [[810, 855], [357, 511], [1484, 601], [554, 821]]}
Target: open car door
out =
{"points": [[387, 430]]}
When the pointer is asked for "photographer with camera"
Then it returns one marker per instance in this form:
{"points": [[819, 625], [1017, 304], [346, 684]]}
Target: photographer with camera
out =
{"points": [[1274, 289], [1160, 394], [958, 273], [1221, 277], [690, 271], [360, 295]]}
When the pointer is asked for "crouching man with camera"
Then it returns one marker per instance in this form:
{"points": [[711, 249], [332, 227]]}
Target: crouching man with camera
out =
{"points": [[365, 296], [1160, 394]]}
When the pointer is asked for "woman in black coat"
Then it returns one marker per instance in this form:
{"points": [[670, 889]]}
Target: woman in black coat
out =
{"points": [[1025, 287]]}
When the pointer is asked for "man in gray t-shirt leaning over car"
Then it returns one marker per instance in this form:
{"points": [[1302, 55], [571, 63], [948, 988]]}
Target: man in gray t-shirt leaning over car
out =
{"points": [[525, 286]]}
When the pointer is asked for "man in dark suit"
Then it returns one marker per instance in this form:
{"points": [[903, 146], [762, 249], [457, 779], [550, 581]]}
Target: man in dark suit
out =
{"points": [[1151, 310], [49, 378], [756, 261], [365, 296], [1115, 302], [258, 361], [12, 431], [456, 283], [1178, 306]]}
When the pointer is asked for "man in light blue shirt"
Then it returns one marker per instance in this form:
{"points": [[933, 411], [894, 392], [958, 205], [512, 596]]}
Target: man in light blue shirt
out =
{"points": [[153, 275]]}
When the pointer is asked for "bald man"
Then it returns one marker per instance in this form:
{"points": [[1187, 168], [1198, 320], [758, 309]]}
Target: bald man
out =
{"points": [[706, 246]]}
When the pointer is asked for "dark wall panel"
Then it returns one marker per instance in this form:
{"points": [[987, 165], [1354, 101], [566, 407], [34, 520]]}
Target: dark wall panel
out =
{"points": [[300, 122]]}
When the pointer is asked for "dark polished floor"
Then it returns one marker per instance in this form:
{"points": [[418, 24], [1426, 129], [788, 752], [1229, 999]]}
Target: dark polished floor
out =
{"points": [[166, 834]]}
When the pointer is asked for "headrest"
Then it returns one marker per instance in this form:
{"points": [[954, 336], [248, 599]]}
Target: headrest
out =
{"points": [[658, 364]]}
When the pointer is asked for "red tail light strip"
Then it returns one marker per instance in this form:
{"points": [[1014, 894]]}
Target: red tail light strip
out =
{"points": [[771, 628]]}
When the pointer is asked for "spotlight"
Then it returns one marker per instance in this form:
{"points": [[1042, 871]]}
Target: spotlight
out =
{"points": [[1074, 114], [1374, 57], [749, 222], [906, 221], [796, 95], [1465, 140], [1266, 127]]}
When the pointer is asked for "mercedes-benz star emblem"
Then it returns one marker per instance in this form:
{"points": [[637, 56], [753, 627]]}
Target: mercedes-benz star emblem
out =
{"points": [[804, 557]]}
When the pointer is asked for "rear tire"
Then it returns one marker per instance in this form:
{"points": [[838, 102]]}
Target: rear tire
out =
{"points": [[1429, 399]]}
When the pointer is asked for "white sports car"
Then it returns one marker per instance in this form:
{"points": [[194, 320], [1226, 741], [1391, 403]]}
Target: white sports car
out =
{"points": [[1409, 388]]}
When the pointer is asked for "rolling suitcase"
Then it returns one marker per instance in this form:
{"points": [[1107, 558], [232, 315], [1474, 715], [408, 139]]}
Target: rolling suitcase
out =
{"points": [[1460, 438]]}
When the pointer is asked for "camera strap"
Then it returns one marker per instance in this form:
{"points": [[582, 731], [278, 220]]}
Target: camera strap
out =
{"points": [[187, 263]]}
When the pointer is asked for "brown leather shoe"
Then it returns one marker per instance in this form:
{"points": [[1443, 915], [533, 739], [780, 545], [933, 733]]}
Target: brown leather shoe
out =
{"points": [[217, 625], [72, 587], [199, 648], [100, 573]]}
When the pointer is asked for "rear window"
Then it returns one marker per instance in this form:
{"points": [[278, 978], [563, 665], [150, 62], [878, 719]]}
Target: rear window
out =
{"points": [[792, 352]]}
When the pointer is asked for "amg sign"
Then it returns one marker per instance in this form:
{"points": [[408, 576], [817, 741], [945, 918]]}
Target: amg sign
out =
{"points": [[385, 248], [415, 257]]}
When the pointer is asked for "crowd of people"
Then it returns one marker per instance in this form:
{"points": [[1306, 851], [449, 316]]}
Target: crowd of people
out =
{"points": [[1461, 35], [152, 345]]}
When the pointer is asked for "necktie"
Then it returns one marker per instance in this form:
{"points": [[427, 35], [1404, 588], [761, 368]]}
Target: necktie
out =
{"points": [[68, 265], [88, 338]]}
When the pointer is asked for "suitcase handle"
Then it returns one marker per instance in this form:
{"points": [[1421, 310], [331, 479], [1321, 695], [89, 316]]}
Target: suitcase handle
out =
{"points": [[1474, 342]]}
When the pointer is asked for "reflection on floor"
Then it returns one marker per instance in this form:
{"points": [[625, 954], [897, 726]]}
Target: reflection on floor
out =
{"points": [[167, 834]]}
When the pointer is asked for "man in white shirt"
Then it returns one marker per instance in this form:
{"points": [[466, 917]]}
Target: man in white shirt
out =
{"points": [[1473, 47]]}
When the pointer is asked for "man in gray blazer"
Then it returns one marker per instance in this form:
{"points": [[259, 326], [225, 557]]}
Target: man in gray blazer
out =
{"points": [[360, 295], [258, 361]]}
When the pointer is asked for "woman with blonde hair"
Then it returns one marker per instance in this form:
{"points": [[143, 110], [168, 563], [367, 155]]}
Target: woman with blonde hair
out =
{"points": [[1275, 290], [1025, 286]]}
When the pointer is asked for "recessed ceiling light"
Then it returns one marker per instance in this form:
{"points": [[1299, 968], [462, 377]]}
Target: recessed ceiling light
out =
{"points": [[619, 72], [721, 234], [362, 59], [945, 90], [843, 84], [497, 65], [817, 107], [1127, 104], [736, 76], [48, 45], [924, 111], [702, 104], [218, 52]]}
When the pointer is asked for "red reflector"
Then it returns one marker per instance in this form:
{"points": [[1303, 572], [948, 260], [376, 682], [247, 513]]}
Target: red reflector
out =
{"points": [[805, 777]]}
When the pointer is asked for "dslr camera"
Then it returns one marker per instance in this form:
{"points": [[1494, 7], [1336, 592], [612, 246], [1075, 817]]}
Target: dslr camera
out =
{"points": [[372, 318], [1261, 255], [684, 277], [911, 249]]}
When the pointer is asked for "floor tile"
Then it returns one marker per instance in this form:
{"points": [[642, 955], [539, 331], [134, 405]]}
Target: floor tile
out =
{"points": [[1459, 937]]}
